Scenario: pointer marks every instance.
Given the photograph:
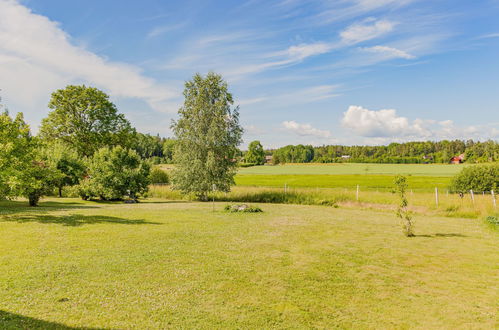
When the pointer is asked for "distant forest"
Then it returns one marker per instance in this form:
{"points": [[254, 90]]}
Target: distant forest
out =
{"points": [[395, 153], [161, 150]]}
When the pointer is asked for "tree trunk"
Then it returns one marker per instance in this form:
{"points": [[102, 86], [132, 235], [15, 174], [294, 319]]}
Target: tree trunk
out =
{"points": [[60, 191], [33, 200]]}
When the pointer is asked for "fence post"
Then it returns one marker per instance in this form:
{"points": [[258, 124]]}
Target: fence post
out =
{"points": [[493, 198], [472, 197], [436, 196], [285, 186], [357, 194]]}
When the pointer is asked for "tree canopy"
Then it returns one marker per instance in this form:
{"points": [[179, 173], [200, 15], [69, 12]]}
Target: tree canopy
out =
{"points": [[255, 154], [22, 169], [84, 118], [207, 134]]}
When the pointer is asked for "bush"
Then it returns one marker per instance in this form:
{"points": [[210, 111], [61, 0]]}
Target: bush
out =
{"points": [[493, 220], [244, 208], [246, 164], [476, 178], [115, 174], [158, 176]]}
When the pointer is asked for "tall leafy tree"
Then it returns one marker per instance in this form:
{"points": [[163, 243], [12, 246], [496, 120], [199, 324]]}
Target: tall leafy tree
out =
{"points": [[22, 169], [255, 154], [207, 134], [85, 119]]}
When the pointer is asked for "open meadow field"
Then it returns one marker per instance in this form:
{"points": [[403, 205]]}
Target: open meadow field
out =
{"points": [[173, 264], [438, 170], [420, 177]]}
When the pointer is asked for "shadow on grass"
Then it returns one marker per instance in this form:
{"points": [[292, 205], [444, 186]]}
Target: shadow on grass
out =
{"points": [[15, 321], [13, 207], [74, 220], [442, 235]]}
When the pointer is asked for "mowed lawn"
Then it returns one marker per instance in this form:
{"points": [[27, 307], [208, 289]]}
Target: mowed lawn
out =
{"points": [[161, 264]]}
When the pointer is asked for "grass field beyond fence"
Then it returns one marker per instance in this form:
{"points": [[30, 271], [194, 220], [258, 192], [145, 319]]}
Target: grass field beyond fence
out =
{"points": [[354, 168]]}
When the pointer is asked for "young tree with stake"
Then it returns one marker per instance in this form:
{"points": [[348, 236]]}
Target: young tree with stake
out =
{"points": [[402, 212]]}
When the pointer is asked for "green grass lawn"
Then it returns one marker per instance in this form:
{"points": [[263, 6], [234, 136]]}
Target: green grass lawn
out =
{"points": [[163, 264], [353, 168]]}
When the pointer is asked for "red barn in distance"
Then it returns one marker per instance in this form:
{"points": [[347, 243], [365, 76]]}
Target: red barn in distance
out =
{"points": [[457, 159]]}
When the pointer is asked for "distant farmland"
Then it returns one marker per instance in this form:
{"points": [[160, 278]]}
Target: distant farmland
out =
{"points": [[346, 168], [368, 176]]}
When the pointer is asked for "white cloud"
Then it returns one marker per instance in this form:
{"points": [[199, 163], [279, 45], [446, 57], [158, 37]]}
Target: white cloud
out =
{"points": [[388, 52], [42, 57], [381, 123], [305, 129], [382, 126], [303, 51], [368, 30]]}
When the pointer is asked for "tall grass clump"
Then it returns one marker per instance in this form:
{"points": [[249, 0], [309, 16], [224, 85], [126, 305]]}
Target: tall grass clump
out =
{"points": [[281, 197]]}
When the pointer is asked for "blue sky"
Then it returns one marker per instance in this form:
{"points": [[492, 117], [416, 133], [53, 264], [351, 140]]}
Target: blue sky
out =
{"points": [[312, 72]]}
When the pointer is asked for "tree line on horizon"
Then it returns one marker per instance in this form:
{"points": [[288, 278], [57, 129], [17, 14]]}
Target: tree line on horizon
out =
{"points": [[426, 152]]}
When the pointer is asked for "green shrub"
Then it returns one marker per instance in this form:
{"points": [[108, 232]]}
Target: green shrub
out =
{"points": [[476, 178], [158, 176], [493, 220], [115, 174], [246, 164], [242, 208]]}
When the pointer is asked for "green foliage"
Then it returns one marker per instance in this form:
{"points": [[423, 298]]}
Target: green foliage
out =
{"points": [[293, 154], [255, 154], [207, 133], [169, 150], [158, 176], [148, 146], [70, 168], [23, 171], [402, 211], [242, 208], [115, 174], [493, 221], [15, 139], [84, 119], [476, 178]]}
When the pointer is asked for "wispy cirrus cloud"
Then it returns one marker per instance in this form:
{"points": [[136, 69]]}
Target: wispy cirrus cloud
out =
{"points": [[164, 29], [369, 29], [388, 52]]}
